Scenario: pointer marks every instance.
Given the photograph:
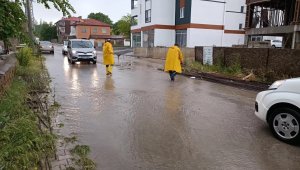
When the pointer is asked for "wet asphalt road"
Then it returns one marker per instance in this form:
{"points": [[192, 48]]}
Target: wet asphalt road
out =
{"points": [[138, 119]]}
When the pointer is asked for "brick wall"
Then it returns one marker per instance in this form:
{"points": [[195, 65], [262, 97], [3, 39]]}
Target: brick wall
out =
{"points": [[280, 62], [7, 71]]}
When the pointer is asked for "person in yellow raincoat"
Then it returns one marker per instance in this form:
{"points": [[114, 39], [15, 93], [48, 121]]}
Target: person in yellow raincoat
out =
{"points": [[173, 61], [108, 56]]}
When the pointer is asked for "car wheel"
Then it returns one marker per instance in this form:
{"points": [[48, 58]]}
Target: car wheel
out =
{"points": [[273, 46], [72, 62], [94, 62], [285, 125]]}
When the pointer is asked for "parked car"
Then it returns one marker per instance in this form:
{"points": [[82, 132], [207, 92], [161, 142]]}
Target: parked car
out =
{"points": [[65, 48], [275, 43], [279, 106], [81, 50], [46, 46]]}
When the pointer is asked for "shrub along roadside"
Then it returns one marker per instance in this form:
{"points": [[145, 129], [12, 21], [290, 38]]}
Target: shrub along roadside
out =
{"points": [[197, 67], [26, 141]]}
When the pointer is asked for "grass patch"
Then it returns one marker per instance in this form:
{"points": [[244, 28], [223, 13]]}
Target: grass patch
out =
{"points": [[197, 67], [23, 143], [71, 139], [82, 151]]}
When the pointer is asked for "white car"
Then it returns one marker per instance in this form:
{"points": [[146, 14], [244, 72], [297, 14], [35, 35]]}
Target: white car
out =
{"points": [[280, 108], [276, 43], [65, 48]]}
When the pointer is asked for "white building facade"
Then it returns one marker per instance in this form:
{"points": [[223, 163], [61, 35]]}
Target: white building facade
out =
{"points": [[189, 23]]}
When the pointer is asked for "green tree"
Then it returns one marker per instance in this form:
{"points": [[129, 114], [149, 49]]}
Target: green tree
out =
{"points": [[122, 27], [45, 31], [101, 17], [11, 20]]}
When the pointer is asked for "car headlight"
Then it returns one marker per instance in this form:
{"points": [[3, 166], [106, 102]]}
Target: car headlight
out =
{"points": [[74, 52], [95, 52], [276, 85]]}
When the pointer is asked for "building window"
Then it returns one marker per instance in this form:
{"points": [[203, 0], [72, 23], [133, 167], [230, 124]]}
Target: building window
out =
{"points": [[241, 26], [134, 4], [104, 31], [181, 37], [182, 12], [95, 30], [84, 30], [136, 39], [147, 11], [148, 39], [242, 9], [148, 16]]}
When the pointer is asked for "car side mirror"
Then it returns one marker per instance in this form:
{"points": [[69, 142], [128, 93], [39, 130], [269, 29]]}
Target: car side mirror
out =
{"points": [[68, 46]]}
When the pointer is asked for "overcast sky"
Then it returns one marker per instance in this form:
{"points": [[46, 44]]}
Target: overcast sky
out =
{"points": [[115, 9]]}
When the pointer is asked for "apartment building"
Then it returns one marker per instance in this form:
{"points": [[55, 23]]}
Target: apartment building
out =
{"points": [[189, 23]]}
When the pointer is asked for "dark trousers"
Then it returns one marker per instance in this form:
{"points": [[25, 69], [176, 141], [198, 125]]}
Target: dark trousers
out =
{"points": [[172, 75]]}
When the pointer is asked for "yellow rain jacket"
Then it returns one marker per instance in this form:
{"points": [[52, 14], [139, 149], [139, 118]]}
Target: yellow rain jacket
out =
{"points": [[174, 60], [108, 54]]}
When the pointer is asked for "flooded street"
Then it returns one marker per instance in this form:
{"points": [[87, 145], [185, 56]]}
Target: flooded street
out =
{"points": [[138, 119]]}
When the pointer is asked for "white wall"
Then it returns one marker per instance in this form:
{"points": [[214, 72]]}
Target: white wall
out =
{"points": [[162, 13], [232, 20], [205, 12], [233, 39], [164, 37], [203, 37]]}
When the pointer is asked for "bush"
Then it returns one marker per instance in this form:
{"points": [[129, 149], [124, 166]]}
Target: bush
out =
{"points": [[24, 56]]}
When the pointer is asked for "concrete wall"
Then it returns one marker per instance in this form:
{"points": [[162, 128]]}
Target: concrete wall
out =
{"points": [[160, 53], [277, 63]]}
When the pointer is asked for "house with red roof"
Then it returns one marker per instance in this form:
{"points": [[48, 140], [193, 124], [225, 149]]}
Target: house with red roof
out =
{"points": [[78, 28]]}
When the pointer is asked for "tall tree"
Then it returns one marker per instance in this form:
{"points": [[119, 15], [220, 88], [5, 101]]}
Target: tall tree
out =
{"points": [[101, 17], [122, 27], [45, 31]]}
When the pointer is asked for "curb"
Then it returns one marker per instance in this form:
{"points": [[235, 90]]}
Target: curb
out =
{"points": [[248, 85]]}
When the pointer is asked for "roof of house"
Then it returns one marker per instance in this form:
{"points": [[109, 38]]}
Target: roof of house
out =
{"points": [[91, 22], [72, 19]]}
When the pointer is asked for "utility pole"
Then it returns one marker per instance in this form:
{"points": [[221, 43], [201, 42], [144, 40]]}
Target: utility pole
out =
{"points": [[29, 19]]}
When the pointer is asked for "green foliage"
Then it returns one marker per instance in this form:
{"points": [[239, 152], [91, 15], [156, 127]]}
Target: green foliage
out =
{"points": [[11, 20], [22, 143], [81, 150], [122, 27], [71, 139], [24, 56], [45, 31], [84, 162], [234, 70], [61, 5], [101, 17]]}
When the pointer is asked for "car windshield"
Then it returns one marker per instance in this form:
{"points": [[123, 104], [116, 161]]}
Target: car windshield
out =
{"points": [[82, 44], [45, 43], [65, 42]]}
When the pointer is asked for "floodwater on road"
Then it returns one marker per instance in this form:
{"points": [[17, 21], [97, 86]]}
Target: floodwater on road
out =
{"points": [[138, 119]]}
